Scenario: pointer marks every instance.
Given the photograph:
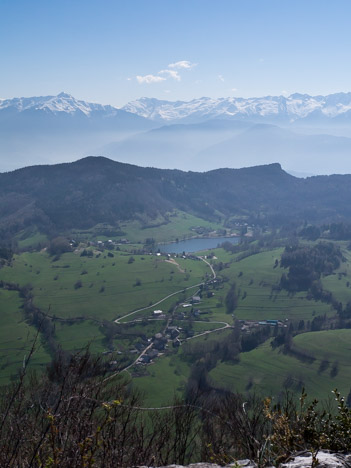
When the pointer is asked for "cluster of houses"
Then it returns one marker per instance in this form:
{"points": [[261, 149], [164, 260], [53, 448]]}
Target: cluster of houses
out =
{"points": [[109, 243], [246, 325], [159, 344]]}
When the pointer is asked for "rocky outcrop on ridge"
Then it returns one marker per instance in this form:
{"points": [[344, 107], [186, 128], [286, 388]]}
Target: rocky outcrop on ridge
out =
{"points": [[322, 459]]}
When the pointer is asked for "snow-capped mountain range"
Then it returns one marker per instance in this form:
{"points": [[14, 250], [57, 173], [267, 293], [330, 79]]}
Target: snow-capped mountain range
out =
{"points": [[269, 108], [310, 134], [287, 109], [63, 102]]}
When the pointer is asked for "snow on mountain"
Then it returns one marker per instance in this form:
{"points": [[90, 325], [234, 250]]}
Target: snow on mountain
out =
{"points": [[275, 108], [291, 108], [63, 102]]}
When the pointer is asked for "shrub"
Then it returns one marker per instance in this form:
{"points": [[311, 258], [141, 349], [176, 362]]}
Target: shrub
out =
{"points": [[78, 284]]}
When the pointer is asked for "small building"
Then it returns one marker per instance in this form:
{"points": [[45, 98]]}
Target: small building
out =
{"points": [[160, 344], [145, 359], [139, 346], [158, 312], [196, 299], [152, 354], [173, 332], [272, 322]]}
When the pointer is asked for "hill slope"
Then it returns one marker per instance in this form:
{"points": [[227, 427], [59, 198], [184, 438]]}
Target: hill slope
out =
{"points": [[96, 190]]}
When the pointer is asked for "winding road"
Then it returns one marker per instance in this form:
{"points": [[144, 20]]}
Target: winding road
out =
{"points": [[169, 295], [207, 332]]}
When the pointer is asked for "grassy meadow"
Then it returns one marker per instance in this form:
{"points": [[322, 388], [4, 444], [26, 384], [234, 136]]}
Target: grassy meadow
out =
{"points": [[178, 225], [256, 279], [16, 338], [111, 284], [102, 288], [265, 370]]}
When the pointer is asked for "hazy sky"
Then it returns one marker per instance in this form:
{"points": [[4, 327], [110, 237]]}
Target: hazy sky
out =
{"points": [[114, 51]]}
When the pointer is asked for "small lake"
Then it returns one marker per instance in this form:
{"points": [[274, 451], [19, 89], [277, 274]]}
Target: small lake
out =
{"points": [[194, 245]]}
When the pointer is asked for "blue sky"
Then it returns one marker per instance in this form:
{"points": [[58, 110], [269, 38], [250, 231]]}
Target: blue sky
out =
{"points": [[114, 51]]}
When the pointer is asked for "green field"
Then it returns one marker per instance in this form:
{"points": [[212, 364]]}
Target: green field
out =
{"points": [[256, 279], [16, 338], [30, 238], [73, 337], [177, 225], [105, 287], [109, 287], [165, 379], [340, 281], [265, 370]]}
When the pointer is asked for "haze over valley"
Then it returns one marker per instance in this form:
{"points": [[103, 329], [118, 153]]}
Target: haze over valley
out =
{"points": [[305, 134]]}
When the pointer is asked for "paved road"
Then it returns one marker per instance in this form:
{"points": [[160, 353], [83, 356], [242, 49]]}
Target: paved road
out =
{"points": [[169, 295], [226, 325], [209, 264], [157, 303], [207, 332]]}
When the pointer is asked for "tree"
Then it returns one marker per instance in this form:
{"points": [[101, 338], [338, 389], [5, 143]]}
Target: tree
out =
{"points": [[231, 299], [78, 284], [334, 370], [323, 366], [58, 246], [348, 400]]}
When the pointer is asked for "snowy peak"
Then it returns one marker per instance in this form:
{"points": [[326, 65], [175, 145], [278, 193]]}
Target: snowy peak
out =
{"points": [[277, 108], [62, 103], [268, 109]]}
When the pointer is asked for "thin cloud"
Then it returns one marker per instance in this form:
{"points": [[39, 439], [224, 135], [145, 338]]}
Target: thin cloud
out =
{"points": [[171, 74], [185, 64], [220, 77], [149, 79]]}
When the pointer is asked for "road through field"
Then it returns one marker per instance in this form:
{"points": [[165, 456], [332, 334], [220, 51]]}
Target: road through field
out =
{"points": [[169, 295]]}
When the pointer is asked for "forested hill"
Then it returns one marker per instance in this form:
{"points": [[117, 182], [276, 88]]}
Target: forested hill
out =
{"points": [[95, 189]]}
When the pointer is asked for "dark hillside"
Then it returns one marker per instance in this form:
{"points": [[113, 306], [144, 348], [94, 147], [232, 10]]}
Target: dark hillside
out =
{"points": [[95, 190]]}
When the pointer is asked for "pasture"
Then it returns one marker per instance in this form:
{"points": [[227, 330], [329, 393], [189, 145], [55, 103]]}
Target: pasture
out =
{"points": [[270, 372], [16, 339], [103, 287]]}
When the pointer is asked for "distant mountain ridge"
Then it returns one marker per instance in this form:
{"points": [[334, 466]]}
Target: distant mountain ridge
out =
{"points": [[269, 108], [288, 108], [48, 129], [64, 105], [63, 102], [97, 190], [311, 134]]}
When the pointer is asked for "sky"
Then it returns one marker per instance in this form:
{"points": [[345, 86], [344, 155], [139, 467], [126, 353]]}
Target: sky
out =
{"points": [[115, 51]]}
